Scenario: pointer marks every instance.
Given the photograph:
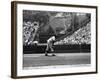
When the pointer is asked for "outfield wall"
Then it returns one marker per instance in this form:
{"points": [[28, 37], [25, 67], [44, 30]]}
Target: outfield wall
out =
{"points": [[83, 48]]}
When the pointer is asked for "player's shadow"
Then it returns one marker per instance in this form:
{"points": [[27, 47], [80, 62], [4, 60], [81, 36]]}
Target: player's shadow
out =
{"points": [[50, 55]]}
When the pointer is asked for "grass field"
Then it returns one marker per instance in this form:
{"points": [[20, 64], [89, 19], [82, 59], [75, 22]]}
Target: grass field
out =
{"points": [[39, 60]]}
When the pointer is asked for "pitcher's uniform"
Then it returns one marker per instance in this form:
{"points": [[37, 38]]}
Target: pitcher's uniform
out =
{"points": [[49, 47]]}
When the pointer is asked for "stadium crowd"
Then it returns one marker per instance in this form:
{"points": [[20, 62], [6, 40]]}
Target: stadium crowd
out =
{"points": [[61, 22], [81, 36], [27, 30]]}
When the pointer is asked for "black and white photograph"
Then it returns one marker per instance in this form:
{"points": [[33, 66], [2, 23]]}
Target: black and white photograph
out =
{"points": [[56, 38], [53, 39]]}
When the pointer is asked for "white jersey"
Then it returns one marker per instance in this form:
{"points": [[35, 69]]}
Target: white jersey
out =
{"points": [[51, 39]]}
